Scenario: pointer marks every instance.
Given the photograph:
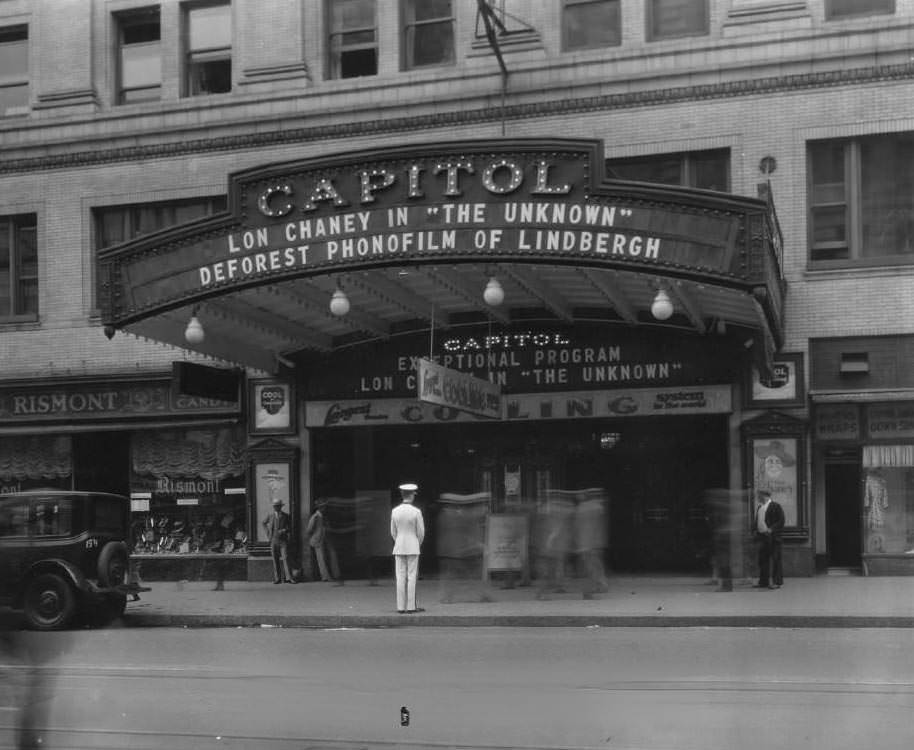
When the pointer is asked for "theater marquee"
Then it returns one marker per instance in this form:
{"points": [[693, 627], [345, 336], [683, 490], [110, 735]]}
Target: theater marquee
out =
{"points": [[469, 201]]}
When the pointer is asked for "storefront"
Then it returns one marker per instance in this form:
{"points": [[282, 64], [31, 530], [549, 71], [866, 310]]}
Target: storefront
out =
{"points": [[612, 324], [179, 458], [864, 447]]}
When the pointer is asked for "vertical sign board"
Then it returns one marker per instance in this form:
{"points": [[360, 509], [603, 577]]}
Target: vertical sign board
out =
{"points": [[507, 544], [458, 390]]}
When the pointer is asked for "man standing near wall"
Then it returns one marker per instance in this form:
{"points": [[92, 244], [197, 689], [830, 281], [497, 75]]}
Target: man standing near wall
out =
{"points": [[769, 522], [278, 526], [407, 529]]}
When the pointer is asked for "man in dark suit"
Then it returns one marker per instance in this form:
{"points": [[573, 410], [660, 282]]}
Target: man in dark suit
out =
{"points": [[278, 526], [768, 525]]}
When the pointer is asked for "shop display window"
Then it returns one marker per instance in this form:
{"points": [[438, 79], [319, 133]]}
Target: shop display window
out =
{"points": [[888, 499], [182, 519], [34, 462], [187, 492]]}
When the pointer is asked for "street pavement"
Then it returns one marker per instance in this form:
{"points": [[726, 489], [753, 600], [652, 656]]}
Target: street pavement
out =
{"points": [[676, 601]]}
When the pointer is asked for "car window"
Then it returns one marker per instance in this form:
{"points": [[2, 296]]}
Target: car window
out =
{"points": [[52, 516], [14, 518]]}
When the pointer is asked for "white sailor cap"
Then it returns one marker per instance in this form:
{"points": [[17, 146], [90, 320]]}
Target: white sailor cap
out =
{"points": [[409, 487]]}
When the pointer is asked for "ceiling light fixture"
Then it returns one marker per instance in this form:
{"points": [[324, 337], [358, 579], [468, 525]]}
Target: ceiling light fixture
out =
{"points": [[662, 306], [339, 303], [194, 333], [494, 294]]}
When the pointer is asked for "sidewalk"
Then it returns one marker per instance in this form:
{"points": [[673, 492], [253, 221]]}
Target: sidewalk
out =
{"points": [[822, 601]]}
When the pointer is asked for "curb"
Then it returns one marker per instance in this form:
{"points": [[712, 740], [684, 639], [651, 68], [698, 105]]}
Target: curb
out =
{"points": [[514, 621]]}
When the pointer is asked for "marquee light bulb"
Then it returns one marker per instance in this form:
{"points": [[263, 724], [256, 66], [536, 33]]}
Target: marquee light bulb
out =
{"points": [[662, 306], [339, 303], [194, 333], [494, 294]]}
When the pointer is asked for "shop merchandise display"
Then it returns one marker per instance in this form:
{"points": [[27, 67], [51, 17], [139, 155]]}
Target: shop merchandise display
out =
{"points": [[155, 534]]}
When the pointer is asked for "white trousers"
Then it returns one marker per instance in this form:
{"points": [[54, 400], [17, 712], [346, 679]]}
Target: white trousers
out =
{"points": [[406, 568]]}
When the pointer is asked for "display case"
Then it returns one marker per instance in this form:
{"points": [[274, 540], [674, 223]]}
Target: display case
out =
{"points": [[888, 509], [188, 503]]}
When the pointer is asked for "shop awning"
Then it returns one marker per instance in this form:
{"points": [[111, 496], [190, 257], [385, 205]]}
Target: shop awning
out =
{"points": [[412, 237]]}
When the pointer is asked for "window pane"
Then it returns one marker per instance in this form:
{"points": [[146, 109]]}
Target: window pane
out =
{"points": [[352, 14], [433, 43], [14, 100], [356, 39], [711, 171], [6, 307], [210, 27], [841, 8], [141, 65], [210, 77], [666, 170], [829, 225], [140, 31], [116, 224], [594, 24], [27, 269], [51, 517], [886, 200], [358, 63], [14, 58], [672, 18], [426, 10]]}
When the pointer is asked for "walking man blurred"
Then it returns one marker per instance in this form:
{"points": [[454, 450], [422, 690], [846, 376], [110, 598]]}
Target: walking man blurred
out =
{"points": [[407, 529]]}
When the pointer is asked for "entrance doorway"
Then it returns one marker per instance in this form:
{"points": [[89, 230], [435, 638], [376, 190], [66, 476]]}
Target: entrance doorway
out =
{"points": [[654, 471], [842, 514]]}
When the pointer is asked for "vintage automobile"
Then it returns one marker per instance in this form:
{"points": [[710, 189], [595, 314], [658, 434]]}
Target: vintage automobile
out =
{"points": [[64, 555]]}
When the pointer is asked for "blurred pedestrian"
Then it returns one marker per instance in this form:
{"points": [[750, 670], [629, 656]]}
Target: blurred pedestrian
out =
{"points": [[591, 534], [460, 541], [317, 539], [718, 504], [553, 539], [407, 529], [769, 523], [278, 526]]}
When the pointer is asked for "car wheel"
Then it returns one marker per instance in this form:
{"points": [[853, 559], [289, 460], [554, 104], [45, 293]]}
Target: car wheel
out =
{"points": [[113, 563], [50, 602]]}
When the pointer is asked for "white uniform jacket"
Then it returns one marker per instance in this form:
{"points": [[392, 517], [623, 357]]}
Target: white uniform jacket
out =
{"points": [[407, 529]]}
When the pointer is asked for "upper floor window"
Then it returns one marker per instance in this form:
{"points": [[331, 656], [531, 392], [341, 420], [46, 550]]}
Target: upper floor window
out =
{"points": [[591, 23], [18, 266], [667, 19], [353, 38], [861, 200], [14, 71], [139, 40], [847, 8], [116, 224], [208, 41], [429, 33], [709, 170]]}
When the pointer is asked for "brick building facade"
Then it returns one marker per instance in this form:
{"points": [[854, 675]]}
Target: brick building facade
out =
{"points": [[119, 118]]}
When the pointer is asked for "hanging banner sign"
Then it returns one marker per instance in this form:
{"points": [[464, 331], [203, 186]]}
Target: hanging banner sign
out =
{"points": [[455, 389], [714, 399]]}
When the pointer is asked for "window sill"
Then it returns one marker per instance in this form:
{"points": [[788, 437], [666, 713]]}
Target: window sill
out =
{"points": [[20, 322], [813, 273]]}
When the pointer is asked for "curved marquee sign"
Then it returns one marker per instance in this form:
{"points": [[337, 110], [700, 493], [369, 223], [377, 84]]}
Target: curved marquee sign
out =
{"points": [[490, 201]]}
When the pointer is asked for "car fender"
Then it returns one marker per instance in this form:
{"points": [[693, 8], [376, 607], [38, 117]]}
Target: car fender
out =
{"points": [[53, 565]]}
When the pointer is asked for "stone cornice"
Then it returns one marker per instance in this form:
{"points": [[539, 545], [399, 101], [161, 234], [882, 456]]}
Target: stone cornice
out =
{"points": [[463, 117]]}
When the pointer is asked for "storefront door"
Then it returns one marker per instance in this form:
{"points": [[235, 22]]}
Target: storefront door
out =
{"points": [[842, 508]]}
